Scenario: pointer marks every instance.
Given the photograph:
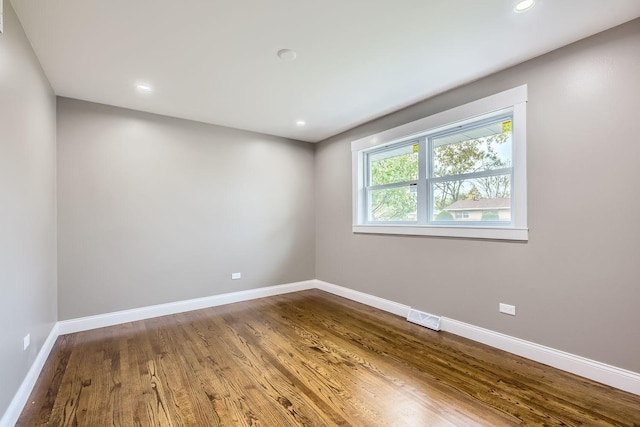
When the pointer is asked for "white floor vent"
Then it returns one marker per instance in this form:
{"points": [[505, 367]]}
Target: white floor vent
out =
{"points": [[424, 319]]}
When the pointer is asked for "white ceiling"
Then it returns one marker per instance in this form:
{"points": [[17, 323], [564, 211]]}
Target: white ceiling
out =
{"points": [[215, 60]]}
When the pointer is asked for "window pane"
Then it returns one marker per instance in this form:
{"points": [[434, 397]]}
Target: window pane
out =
{"points": [[395, 165], [473, 149], [479, 199], [393, 204]]}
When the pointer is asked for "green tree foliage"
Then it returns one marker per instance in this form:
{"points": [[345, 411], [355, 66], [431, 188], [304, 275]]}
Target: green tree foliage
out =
{"points": [[394, 204], [490, 216], [444, 216], [473, 194], [400, 168]]}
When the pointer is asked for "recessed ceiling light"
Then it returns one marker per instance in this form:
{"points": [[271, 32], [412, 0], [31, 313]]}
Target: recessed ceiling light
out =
{"points": [[524, 5], [287, 55], [301, 123], [143, 88]]}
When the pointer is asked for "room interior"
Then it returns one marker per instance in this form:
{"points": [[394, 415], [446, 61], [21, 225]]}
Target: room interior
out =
{"points": [[134, 183]]}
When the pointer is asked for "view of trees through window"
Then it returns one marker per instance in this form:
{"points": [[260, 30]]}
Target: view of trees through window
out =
{"points": [[470, 178], [396, 166], [395, 203]]}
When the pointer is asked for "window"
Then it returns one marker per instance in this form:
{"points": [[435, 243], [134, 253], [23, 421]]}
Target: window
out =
{"points": [[460, 173]]}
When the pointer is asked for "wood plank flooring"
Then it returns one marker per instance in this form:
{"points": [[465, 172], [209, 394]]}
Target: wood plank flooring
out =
{"points": [[305, 359]]}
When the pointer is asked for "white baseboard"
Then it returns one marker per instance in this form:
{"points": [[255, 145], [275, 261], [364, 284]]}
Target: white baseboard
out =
{"points": [[21, 397], [63, 327], [119, 317], [594, 370], [370, 300], [591, 369]]}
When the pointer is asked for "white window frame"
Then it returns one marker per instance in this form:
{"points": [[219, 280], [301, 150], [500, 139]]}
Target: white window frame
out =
{"points": [[513, 101]]}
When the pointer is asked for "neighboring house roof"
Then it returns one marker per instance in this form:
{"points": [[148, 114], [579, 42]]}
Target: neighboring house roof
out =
{"points": [[482, 204]]}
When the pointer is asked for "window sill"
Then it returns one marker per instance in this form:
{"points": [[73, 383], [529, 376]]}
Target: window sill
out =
{"points": [[492, 233]]}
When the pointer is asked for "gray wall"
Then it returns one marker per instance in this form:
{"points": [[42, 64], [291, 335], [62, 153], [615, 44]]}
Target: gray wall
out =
{"points": [[576, 283], [27, 206], [153, 209]]}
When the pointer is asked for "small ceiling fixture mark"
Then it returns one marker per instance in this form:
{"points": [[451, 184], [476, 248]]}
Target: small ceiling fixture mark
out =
{"points": [[300, 123], [524, 5], [287, 55], [143, 88]]}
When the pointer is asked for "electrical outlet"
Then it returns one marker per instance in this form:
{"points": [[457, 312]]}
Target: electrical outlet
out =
{"points": [[508, 309], [236, 276], [26, 341]]}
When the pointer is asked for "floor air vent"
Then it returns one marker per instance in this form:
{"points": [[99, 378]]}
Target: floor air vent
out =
{"points": [[424, 319]]}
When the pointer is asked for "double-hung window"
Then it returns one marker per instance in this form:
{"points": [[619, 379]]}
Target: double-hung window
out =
{"points": [[460, 173]]}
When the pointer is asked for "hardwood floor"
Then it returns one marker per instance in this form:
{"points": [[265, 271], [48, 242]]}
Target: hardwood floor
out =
{"points": [[305, 359]]}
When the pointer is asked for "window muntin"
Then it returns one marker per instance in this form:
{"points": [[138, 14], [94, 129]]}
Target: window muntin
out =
{"points": [[492, 130]]}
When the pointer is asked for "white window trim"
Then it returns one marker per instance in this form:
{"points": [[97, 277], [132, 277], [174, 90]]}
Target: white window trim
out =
{"points": [[515, 99]]}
